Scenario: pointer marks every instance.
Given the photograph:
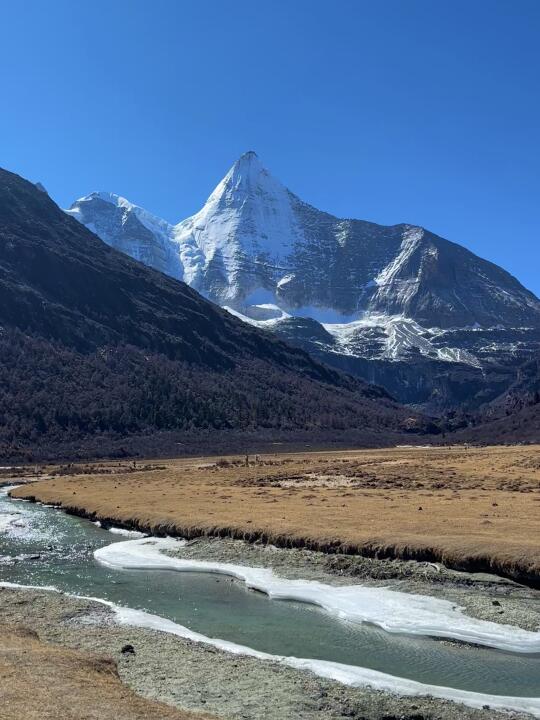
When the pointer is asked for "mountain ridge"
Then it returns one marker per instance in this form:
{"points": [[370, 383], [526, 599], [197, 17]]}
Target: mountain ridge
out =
{"points": [[394, 294], [96, 348], [255, 209]]}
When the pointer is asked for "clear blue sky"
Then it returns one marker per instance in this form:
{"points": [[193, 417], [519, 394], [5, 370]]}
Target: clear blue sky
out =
{"points": [[421, 111]]}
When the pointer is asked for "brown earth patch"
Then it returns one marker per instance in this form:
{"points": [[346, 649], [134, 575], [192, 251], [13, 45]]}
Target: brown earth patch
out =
{"points": [[40, 681]]}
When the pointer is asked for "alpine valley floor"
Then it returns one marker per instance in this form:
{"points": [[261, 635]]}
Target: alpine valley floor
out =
{"points": [[316, 516], [471, 509]]}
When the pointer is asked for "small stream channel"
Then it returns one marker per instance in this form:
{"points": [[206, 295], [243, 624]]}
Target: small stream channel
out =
{"points": [[44, 546]]}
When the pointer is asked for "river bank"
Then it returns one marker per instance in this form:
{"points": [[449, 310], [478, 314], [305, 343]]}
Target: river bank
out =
{"points": [[68, 684], [200, 678], [469, 509]]}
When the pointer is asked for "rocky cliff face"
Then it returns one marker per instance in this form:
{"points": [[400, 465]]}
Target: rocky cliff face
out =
{"points": [[372, 297]]}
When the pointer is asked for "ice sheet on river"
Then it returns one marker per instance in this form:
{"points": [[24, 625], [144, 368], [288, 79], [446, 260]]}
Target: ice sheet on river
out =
{"points": [[393, 611]]}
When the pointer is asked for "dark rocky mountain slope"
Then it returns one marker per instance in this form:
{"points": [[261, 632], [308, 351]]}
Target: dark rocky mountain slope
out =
{"points": [[513, 417], [101, 354]]}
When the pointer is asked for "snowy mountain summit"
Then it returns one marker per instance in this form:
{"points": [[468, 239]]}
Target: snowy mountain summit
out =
{"points": [[347, 288], [240, 240]]}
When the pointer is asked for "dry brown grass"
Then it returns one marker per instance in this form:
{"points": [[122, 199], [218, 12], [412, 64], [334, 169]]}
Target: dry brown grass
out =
{"points": [[39, 681], [475, 509]]}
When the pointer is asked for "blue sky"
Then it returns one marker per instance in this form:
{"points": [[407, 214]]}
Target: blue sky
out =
{"points": [[421, 111]]}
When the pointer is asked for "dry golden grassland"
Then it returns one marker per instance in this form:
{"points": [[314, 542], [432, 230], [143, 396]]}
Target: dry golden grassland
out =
{"points": [[39, 681], [470, 508]]}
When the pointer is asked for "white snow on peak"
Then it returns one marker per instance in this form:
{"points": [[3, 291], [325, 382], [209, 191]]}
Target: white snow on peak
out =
{"points": [[152, 222], [109, 197], [131, 229], [248, 220]]}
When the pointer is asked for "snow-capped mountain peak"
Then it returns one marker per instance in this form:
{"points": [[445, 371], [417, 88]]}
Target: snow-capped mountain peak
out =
{"points": [[152, 222], [244, 175], [109, 197], [237, 241], [256, 242], [340, 288]]}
